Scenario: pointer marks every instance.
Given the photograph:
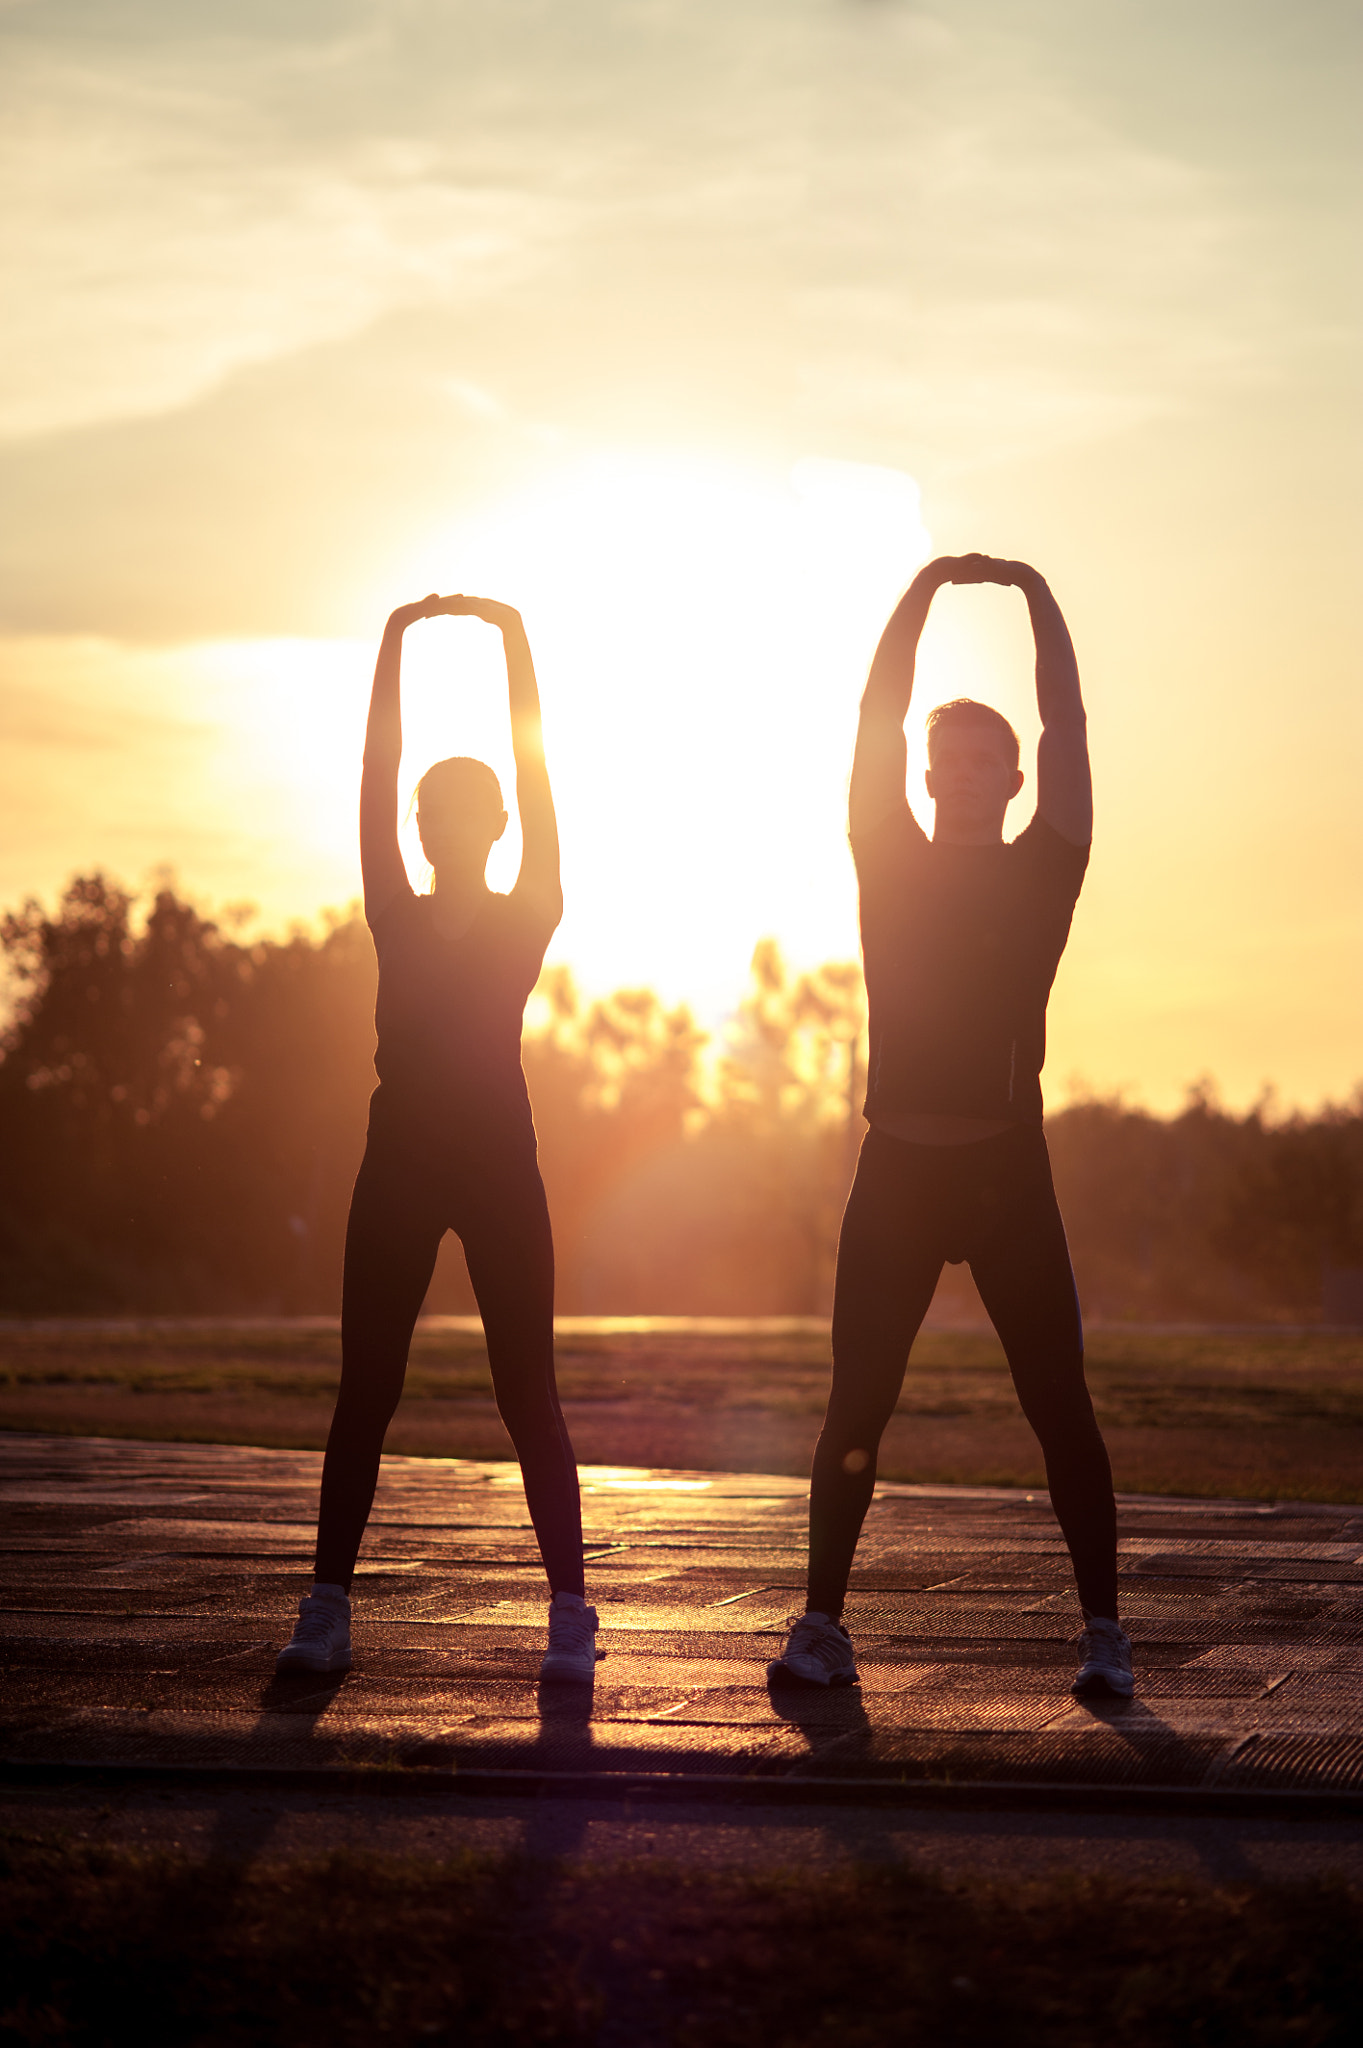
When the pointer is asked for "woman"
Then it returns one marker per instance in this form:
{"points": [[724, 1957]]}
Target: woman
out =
{"points": [[451, 1143]]}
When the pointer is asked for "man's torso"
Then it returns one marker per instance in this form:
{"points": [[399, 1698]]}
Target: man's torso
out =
{"points": [[961, 945]]}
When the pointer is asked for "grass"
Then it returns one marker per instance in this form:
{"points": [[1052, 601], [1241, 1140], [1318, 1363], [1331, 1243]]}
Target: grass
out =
{"points": [[108, 1946], [1270, 1414]]}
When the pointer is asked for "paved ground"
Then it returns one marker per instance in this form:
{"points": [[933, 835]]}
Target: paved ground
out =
{"points": [[144, 1589], [215, 1821]]}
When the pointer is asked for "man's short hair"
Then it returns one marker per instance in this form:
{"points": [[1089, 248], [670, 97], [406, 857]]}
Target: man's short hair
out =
{"points": [[961, 708]]}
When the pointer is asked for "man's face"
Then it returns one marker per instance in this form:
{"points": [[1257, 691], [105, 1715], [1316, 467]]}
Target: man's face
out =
{"points": [[971, 779]]}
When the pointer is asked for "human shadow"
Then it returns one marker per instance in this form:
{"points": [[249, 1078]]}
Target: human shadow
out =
{"points": [[244, 1825], [565, 1709], [564, 1743], [302, 1693], [1159, 1753], [831, 1718]]}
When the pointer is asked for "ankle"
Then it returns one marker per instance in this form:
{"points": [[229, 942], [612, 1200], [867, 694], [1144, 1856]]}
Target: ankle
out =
{"points": [[328, 1589]]}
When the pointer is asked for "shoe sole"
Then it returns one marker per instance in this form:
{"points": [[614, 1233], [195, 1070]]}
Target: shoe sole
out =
{"points": [[579, 1676], [310, 1667], [1100, 1689], [781, 1672]]}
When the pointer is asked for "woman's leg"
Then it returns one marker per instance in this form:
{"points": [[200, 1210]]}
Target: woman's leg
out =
{"points": [[889, 1258], [392, 1238], [509, 1247], [1026, 1282]]}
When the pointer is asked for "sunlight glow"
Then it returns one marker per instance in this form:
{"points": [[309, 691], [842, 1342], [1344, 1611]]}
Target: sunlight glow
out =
{"points": [[702, 633]]}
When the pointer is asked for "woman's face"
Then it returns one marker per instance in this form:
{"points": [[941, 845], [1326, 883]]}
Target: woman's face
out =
{"points": [[459, 827]]}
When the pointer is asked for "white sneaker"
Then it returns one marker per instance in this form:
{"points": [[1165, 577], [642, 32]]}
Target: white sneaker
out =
{"points": [[1104, 1660], [321, 1636], [817, 1650], [572, 1651]]}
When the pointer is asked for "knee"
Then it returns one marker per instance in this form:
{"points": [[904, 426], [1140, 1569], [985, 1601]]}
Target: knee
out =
{"points": [[860, 1404], [1062, 1418], [529, 1408], [848, 1444], [363, 1414], [370, 1387], [851, 1469]]}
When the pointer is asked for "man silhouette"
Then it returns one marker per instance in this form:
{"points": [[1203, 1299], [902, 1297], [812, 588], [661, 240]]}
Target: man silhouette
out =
{"points": [[961, 937]]}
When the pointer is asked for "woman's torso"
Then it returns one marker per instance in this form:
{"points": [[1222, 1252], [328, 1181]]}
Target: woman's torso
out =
{"points": [[448, 1019]]}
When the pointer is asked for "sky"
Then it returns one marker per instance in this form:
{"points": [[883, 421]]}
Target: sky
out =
{"points": [[692, 327]]}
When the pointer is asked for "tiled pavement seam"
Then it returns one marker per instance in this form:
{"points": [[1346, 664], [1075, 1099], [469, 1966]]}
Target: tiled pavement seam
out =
{"points": [[144, 1588]]}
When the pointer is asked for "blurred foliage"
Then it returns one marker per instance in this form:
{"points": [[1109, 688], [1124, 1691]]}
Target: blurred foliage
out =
{"points": [[182, 1113]]}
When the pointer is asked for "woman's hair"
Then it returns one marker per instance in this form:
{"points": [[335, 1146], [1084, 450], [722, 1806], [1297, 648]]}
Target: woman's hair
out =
{"points": [[459, 780], [967, 707]]}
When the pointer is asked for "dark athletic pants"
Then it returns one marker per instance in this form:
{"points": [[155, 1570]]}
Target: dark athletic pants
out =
{"points": [[911, 1209], [401, 1208]]}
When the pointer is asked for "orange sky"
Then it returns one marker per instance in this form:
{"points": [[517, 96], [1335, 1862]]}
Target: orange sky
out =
{"points": [[690, 328]]}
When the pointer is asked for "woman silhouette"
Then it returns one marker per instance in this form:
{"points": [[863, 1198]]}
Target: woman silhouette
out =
{"points": [[451, 1144]]}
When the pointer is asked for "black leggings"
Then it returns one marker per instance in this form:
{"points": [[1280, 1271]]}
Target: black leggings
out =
{"points": [[913, 1208], [401, 1208]]}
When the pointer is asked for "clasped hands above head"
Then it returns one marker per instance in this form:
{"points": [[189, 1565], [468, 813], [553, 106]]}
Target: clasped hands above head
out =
{"points": [[458, 606], [976, 568]]}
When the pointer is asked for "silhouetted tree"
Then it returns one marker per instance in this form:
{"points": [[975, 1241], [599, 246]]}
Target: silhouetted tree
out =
{"points": [[181, 1115]]}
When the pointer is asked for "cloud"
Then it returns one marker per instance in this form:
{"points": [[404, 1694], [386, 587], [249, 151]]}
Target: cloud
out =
{"points": [[189, 201], [258, 273]]}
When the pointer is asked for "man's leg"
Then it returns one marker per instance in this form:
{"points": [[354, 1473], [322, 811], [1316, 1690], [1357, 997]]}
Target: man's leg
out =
{"points": [[1022, 1269], [889, 1259]]}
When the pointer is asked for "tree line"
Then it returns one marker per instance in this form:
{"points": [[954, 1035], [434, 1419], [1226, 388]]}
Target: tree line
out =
{"points": [[182, 1112]]}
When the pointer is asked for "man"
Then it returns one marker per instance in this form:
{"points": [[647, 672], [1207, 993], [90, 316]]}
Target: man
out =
{"points": [[961, 936]]}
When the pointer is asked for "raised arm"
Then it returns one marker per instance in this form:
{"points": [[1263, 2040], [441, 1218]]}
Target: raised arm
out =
{"points": [[880, 764], [1064, 786], [538, 879], [381, 863], [1064, 789]]}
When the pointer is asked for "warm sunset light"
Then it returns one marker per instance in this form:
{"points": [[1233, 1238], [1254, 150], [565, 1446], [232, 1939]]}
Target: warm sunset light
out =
{"points": [[681, 1022], [696, 375]]}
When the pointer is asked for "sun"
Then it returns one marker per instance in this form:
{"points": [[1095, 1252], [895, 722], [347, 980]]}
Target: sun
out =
{"points": [[701, 630]]}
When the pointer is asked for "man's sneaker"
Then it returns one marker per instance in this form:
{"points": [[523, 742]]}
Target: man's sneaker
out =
{"points": [[817, 1650], [572, 1651], [321, 1636], [1104, 1660]]}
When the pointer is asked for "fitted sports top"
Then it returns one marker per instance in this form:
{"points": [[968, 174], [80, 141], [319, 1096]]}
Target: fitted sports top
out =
{"points": [[448, 1017], [961, 945]]}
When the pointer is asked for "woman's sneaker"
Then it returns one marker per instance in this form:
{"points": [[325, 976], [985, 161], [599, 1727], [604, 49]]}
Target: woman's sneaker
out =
{"points": [[321, 1636], [817, 1650], [1104, 1660], [572, 1651]]}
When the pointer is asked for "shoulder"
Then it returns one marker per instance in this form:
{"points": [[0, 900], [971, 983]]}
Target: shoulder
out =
{"points": [[895, 837], [530, 912], [1045, 852], [392, 914]]}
